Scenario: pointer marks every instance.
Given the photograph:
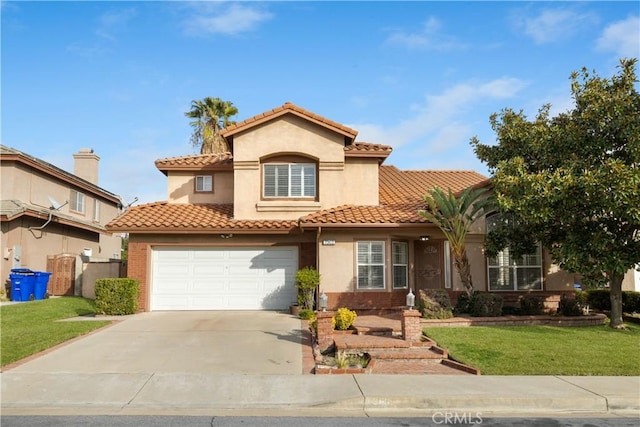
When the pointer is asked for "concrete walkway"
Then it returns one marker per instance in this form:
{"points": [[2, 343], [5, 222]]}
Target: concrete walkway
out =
{"points": [[203, 393], [159, 363]]}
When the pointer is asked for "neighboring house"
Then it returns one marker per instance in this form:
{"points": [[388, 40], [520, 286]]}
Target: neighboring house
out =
{"points": [[46, 211], [298, 190]]}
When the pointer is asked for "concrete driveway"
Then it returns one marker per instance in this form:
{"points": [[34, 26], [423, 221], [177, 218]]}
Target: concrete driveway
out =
{"points": [[205, 342]]}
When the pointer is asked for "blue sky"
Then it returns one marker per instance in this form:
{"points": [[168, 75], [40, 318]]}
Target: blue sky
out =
{"points": [[423, 77]]}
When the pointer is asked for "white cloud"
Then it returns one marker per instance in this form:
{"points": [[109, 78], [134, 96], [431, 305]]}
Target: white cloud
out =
{"points": [[553, 25], [622, 37], [440, 115], [113, 21], [230, 20], [109, 25], [429, 37]]}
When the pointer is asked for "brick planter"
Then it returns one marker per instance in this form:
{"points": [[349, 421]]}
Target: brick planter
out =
{"points": [[332, 370]]}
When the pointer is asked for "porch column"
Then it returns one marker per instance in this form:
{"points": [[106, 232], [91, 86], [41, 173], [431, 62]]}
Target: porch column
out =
{"points": [[411, 329], [325, 329]]}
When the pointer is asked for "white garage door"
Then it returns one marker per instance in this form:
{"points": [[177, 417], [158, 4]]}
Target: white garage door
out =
{"points": [[223, 278]]}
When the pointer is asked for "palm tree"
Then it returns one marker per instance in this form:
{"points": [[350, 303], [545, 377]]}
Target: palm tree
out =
{"points": [[211, 116], [455, 216]]}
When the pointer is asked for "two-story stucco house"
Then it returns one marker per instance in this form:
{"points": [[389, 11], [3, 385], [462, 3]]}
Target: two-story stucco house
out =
{"points": [[46, 211], [297, 190]]}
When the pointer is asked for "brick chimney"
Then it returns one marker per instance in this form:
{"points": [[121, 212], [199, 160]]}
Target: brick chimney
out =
{"points": [[85, 165]]}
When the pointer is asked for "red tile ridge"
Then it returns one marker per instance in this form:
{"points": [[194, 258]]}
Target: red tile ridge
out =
{"points": [[283, 109]]}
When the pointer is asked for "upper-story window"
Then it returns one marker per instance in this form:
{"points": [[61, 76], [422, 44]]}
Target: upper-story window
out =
{"points": [[96, 210], [204, 183], [76, 201], [289, 180]]}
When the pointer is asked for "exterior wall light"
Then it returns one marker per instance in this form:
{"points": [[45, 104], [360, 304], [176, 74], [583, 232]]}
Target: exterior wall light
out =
{"points": [[411, 300], [424, 238], [324, 301]]}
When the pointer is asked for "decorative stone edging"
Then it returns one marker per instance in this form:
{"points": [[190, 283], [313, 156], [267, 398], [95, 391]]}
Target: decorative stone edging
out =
{"points": [[588, 320]]}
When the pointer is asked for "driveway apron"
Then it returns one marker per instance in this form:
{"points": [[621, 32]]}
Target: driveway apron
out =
{"points": [[206, 342]]}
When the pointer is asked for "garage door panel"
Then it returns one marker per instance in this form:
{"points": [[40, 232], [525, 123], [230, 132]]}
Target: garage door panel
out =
{"points": [[208, 270], [223, 278]]}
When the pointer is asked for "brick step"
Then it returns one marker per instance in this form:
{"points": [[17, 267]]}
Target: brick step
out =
{"points": [[405, 366], [379, 331], [407, 354]]}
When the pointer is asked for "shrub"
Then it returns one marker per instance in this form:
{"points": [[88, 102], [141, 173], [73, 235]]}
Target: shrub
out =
{"points": [[116, 296], [462, 305], [631, 302], [344, 318], [569, 306], [306, 314], [484, 304], [599, 299], [531, 305], [307, 280], [435, 304]]}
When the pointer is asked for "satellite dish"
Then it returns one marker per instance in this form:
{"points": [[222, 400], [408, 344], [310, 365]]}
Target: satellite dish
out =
{"points": [[55, 205]]}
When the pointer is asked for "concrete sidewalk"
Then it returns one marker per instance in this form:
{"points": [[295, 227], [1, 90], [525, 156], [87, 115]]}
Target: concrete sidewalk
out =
{"points": [[353, 395]]}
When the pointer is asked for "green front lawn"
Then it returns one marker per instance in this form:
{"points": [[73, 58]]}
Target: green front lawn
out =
{"points": [[543, 350], [30, 327]]}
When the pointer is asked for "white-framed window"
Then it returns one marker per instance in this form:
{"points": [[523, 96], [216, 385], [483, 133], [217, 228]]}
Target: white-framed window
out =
{"points": [[76, 201], [370, 264], [96, 210], [400, 256], [507, 273], [447, 264], [204, 183], [289, 180]]}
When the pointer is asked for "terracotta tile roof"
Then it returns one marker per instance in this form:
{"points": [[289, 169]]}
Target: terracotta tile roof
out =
{"points": [[288, 107], [200, 161], [206, 218], [364, 149], [400, 198], [225, 160], [408, 187], [352, 215]]}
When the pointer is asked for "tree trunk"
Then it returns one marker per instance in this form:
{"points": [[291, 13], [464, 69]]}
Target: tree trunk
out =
{"points": [[464, 269], [615, 292]]}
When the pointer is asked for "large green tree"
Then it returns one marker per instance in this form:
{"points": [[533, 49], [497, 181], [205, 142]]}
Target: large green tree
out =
{"points": [[572, 182], [210, 115], [454, 216]]}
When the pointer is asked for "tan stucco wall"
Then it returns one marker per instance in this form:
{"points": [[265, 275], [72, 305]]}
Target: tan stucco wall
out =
{"points": [[359, 182], [556, 279], [338, 265], [53, 240], [631, 281], [34, 188], [338, 182], [181, 187], [94, 270]]}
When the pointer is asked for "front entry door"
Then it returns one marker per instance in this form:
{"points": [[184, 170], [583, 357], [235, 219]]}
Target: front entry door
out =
{"points": [[429, 260]]}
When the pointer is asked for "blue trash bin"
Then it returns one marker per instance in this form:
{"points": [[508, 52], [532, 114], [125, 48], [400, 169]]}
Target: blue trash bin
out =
{"points": [[40, 285], [22, 284]]}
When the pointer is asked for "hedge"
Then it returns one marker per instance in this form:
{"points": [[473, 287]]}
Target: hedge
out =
{"points": [[600, 299], [117, 296]]}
